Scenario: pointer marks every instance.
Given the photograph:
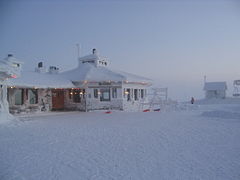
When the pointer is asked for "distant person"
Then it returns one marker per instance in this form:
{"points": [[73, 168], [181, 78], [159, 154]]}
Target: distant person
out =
{"points": [[192, 100]]}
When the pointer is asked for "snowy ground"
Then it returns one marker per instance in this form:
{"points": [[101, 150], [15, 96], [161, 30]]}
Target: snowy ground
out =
{"points": [[202, 143]]}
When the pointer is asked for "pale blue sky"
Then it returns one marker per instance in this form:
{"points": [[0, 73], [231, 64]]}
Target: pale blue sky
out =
{"points": [[175, 42]]}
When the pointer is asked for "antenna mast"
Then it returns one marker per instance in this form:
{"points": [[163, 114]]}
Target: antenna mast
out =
{"points": [[78, 50]]}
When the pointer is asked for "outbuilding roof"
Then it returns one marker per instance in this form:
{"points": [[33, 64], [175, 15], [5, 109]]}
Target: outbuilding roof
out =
{"points": [[211, 86]]}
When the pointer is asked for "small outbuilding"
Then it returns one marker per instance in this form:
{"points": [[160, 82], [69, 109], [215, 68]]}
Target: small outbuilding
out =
{"points": [[215, 90]]}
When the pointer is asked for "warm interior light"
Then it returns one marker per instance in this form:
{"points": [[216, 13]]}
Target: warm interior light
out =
{"points": [[14, 76]]}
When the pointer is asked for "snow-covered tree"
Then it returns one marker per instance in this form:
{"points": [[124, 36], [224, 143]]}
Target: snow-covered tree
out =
{"points": [[10, 67]]}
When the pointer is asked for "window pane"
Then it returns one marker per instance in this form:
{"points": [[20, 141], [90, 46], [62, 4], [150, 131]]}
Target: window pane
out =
{"points": [[77, 95], [70, 93], [135, 94], [128, 95], [105, 95], [33, 96], [95, 93], [142, 93], [114, 92], [19, 97]]}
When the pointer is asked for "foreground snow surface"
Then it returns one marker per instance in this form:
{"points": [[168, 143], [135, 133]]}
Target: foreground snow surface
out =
{"points": [[203, 143]]}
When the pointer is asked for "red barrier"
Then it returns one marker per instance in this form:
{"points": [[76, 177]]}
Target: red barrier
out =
{"points": [[108, 112], [146, 110]]}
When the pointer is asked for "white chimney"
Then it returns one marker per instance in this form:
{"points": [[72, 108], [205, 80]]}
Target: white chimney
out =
{"points": [[53, 70], [40, 68]]}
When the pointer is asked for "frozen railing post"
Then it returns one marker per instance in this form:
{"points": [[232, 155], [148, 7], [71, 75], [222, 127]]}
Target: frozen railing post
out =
{"points": [[10, 67]]}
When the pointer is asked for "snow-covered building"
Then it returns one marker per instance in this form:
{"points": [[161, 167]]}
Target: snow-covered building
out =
{"points": [[34, 90], [215, 90], [90, 86], [236, 88]]}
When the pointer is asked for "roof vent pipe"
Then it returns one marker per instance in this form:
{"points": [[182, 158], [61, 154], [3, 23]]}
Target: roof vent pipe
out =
{"points": [[94, 51], [40, 68]]}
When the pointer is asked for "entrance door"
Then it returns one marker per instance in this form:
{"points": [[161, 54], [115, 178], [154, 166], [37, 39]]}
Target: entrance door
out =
{"points": [[57, 99]]}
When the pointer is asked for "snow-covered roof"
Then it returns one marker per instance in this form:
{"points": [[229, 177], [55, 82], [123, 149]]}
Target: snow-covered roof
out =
{"points": [[88, 69], [40, 80], [92, 73], [211, 86], [89, 57]]}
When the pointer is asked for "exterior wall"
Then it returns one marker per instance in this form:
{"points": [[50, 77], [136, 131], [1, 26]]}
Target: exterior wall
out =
{"points": [[43, 101], [132, 104], [88, 101], [219, 94], [46, 97], [70, 105], [118, 102], [95, 103]]}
